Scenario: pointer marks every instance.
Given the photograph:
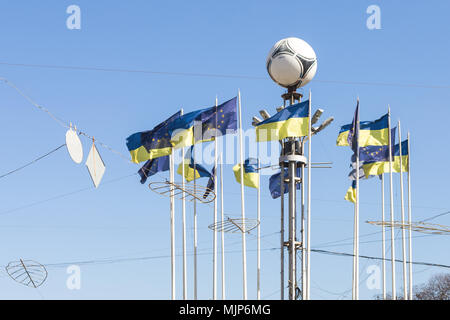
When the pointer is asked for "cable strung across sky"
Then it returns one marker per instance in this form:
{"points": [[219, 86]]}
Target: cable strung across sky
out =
{"points": [[213, 75]]}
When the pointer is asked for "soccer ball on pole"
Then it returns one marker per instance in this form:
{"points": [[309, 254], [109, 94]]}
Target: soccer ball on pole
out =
{"points": [[291, 63]]}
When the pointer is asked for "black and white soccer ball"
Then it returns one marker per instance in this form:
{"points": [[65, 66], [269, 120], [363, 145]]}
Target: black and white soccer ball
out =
{"points": [[291, 63]]}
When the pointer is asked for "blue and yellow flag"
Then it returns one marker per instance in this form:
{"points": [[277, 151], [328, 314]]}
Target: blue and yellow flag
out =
{"points": [[192, 170], [275, 183], [375, 153], [251, 178], [289, 122], [371, 133], [151, 144], [211, 183], [153, 166], [204, 125], [380, 167], [351, 193]]}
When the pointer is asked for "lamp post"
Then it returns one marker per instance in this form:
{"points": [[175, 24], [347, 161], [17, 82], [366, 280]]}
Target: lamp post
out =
{"points": [[292, 63]]}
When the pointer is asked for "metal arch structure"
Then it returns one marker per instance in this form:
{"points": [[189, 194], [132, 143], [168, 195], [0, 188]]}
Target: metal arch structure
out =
{"points": [[27, 272], [189, 192], [422, 227], [237, 225]]}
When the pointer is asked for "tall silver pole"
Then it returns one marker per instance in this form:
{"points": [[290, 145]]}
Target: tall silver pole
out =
{"points": [[241, 161], [357, 216], [215, 218], [223, 233], [394, 293], [172, 228], [183, 209], [195, 228], [405, 276], [303, 231], [282, 231], [292, 257], [383, 238], [258, 249], [354, 254], [308, 231], [409, 223]]}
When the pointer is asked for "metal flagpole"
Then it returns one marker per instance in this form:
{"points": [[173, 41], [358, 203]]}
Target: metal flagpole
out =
{"points": [[357, 213], [308, 242], [303, 231], [172, 228], [409, 223], [258, 253], [195, 227], [354, 254], [292, 242], [215, 216], [383, 238], [241, 161], [394, 293], [183, 208], [223, 233], [405, 277], [282, 230]]}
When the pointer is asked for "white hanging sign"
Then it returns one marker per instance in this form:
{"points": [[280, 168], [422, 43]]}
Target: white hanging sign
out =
{"points": [[95, 166], [74, 146]]}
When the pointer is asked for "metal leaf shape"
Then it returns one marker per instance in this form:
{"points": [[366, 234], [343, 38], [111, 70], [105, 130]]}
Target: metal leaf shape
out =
{"points": [[190, 191], [235, 225], [27, 272]]}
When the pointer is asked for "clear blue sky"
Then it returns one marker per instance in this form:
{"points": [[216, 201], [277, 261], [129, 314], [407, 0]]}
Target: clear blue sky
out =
{"points": [[125, 219]]}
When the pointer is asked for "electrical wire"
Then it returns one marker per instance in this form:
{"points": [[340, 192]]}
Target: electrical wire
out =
{"points": [[216, 75], [63, 195], [62, 122], [32, 162]]}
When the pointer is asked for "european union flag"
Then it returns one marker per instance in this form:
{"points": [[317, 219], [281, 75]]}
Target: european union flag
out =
{"points": [[376, 153], [153, 143], [154, 166], [275, 183], [380, 167], [204, 125]]}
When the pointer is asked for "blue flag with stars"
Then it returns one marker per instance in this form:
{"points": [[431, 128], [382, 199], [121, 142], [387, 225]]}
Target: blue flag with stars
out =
{"points": [[153, 166]]}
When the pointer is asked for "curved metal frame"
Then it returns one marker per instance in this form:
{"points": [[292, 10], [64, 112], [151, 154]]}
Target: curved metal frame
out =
{"points": [[190, 192], [428, 228], [27, 272], [237, 225]]}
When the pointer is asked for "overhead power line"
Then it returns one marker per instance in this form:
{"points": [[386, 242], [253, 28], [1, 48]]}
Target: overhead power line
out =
{"points": [[217, 75], [32, 162], [62, 122], [378, 258], [144, 258]]}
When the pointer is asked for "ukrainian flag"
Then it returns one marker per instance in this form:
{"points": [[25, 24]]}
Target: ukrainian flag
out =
{"points": [[151, 144], [251, 178], [189, 172], [351, 193], [371, 133], [380, 167], [289, 122], [204, 125]]}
